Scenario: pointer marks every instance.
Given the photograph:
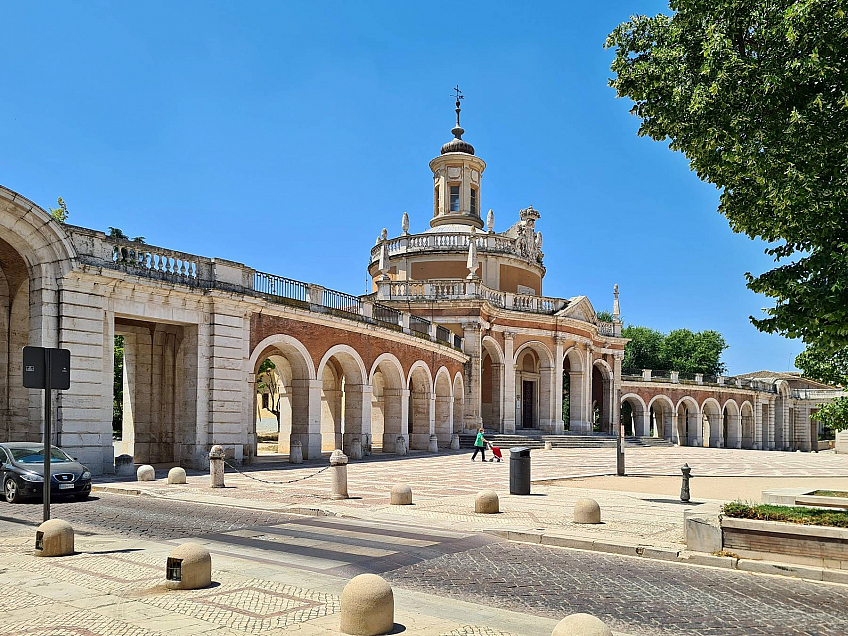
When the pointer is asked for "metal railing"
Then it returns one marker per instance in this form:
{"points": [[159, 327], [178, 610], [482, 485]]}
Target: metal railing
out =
{"points": [[443, 335], [419, 324], [279, 286], [660, 374], [339, 301], [387, 315]]}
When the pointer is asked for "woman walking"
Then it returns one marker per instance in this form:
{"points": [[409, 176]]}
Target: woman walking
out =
{"points": [[480, 446]]}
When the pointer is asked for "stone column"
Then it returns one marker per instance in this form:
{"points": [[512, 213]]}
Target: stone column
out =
{"points": [[306, 416], [758, 423], [616, 394], [497, 395], [771, 408], [472, 333], [509, 384], [557, 423], [587, 392], [357, 405]]}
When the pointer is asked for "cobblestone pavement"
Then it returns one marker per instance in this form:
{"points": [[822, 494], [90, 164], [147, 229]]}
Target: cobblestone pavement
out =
{"points": [[142, 517], [631, 595]]}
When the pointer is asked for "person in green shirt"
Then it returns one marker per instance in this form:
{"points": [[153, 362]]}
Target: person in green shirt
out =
{"points": [[480, 446]]}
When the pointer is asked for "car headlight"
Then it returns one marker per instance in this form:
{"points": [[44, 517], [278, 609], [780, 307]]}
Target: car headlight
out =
{"points": [[31, 477], [86, 475]]}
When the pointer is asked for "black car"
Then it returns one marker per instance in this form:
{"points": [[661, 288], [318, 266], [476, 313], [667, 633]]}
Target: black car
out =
{"points": [[22, 472]]}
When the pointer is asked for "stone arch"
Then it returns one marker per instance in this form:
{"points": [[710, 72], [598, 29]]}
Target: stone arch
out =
{"points": [[731, 424], [689, 420], [603, 395], [711, 428], [444, 406], [388, 403], [421, 406], [746, 416], [345, 399], [492, 384], [535, 386], [635, 415], [458, 401], [575, 390], [35, 252], [661, 412]]}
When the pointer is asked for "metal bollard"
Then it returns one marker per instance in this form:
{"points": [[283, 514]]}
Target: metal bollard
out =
{"points": [[338, 470], [684, 488], [216, 466]]}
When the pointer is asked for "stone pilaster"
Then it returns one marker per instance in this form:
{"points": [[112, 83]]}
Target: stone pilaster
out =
{"points": [[509, 383], [473, 348]]}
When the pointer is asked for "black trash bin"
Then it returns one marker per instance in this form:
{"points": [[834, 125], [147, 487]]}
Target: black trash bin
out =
{"points": [[519, 471]]}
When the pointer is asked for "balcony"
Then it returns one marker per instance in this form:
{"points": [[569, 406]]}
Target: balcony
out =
{"points": [[490, 243]]}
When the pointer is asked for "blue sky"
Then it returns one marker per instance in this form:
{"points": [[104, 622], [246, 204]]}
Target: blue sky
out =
{"points": [[285, 136]]}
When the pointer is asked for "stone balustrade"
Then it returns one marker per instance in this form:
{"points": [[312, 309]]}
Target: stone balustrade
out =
{"points": [[681, 377], [140, 259], [818, 394], [451, 241]]}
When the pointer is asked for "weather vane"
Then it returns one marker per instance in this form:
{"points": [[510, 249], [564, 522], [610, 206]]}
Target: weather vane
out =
{"points": [[458, 96]]}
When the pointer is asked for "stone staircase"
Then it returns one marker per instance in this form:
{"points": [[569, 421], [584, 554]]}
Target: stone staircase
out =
{"points": [[532, 438]]}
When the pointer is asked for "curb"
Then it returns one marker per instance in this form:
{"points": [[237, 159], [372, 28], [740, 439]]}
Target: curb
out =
{"points": [[683, 557]]}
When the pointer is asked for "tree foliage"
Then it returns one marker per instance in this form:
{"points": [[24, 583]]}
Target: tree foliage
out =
{"points": [[118, 233], [268, 382], [118, 386], [755, 94], [833, 415], [823, 366], [681, 350], [61, 213]]}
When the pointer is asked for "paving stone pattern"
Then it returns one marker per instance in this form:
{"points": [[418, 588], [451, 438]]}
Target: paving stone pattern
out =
{"points": [[143, 517], [632, 595]]}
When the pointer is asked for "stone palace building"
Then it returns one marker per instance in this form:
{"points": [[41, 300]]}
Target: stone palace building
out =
{"points": [[456, 334]]}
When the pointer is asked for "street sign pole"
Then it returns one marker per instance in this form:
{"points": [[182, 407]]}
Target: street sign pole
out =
{"points": [[48, 411]]}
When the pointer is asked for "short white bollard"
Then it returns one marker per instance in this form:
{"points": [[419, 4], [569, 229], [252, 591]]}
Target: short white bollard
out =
{"points": [[434, 444], [454, 442], [487, 503], [338, 477], [216, 466], [145, 473], [400, 445], [587, 511], [368, 606], [549, 446], [400, 495], [177, 475], [355, 448], [189, 567], [54, 538], [581, 625], [296, 452]]}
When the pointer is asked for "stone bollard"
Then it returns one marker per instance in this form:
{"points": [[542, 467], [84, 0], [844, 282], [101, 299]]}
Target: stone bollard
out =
{"points": [[400, 495], [145, 473], [400, 445], [338, 470], [216, 466], [296, 452], [486, 502], [587, 511], [684, 488], [549, 446], [581, 625], [434, 444], [189, 567], [454, 442], [368, 606], [177, 475], [355, 448], [54, 538], [124, 466]]}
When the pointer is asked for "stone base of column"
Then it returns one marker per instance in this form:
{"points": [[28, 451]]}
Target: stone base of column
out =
{"points": [[310, 444], [419, 441], [509, 427], [557, 427]]}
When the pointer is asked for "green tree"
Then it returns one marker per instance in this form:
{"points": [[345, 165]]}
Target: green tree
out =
{"points": [[61, 213], [690, 352], [604, 315], [755, 94], [644, 351], [833, 415], [823, 366], [118, 387]]}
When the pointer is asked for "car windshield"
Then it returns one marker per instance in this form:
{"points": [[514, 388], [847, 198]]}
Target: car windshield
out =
{"points": [[36, 455]]}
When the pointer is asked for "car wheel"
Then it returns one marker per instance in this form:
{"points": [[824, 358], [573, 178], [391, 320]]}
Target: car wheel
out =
{"points": [[10, 489]]}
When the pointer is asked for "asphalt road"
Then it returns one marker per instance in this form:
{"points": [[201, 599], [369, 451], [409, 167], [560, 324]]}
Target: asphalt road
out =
{"points": [[635, 596]]}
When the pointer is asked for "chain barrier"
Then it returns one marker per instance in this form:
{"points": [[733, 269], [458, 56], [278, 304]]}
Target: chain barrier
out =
{"points": [[267, 481]]}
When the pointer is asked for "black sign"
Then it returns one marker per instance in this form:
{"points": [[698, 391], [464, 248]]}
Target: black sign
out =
{"points": [[35, 368]]}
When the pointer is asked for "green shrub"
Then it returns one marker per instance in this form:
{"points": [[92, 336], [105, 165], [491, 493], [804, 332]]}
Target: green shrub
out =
{"points": [[789, 514]]}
